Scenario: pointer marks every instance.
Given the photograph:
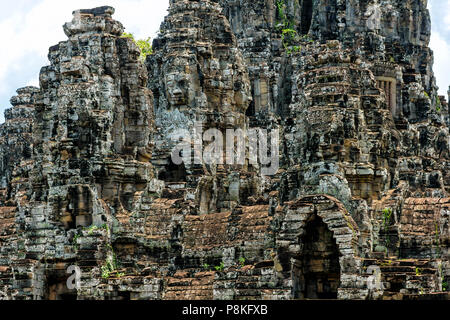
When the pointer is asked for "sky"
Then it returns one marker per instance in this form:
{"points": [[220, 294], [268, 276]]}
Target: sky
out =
{"points": [[30, 27]]}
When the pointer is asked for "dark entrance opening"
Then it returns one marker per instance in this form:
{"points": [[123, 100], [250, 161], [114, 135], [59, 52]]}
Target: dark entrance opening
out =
{"points": [[316, 271], [251, 110], [78, 211], [306, 17], [56, 288], [173, 173]]}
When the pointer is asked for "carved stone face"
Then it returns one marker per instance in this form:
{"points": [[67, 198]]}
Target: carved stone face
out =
{"points": [[176, 89], [180, 82], [373, 15]]}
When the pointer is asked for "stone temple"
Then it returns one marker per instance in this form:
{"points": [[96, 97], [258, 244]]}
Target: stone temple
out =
{"points": [[359, 207]]}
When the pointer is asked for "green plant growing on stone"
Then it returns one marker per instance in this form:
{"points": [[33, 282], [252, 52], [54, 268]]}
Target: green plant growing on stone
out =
{"points": [[74, 241], [107, 269], [444, 286], [289, 36], [220, 267], [386, 263], [438, 105], [206, 267], [437, 238], [387, 216], [111, 265], [418, 271], [281, 6], [144, 45], [242, 261], [351, 228], [93, 228]]}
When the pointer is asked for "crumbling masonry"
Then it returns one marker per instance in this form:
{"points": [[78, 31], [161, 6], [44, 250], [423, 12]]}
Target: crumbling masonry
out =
{"points": [[359, 209]]}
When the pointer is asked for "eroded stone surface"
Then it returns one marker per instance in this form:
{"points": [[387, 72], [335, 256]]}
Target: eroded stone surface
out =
{"points": [[87, 180]]}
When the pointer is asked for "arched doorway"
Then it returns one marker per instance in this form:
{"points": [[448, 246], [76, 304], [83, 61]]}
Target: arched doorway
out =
{"points": [[316, 270]]}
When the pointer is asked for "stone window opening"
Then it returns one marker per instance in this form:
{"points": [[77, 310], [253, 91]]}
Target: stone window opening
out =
{"points": [[316, 270], [177, 233], [389, 87], [306, 17]]}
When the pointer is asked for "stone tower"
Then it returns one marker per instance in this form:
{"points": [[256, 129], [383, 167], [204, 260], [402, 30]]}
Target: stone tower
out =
{"points": [[359, 208]]}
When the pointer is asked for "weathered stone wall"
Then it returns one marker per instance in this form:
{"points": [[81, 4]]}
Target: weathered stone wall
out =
{"points": [[87, 179]]}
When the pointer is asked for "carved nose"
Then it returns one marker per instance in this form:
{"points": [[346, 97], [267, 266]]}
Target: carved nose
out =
{"points": [[177, 92]]}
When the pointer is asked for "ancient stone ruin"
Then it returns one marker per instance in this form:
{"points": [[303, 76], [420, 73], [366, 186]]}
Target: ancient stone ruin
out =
{"points": [[359, 207]]}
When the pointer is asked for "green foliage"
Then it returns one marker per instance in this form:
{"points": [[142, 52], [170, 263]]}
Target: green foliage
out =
{"points": [[107, 269], [93, 228], [387, 216], [444, 286], [221, 267], [111, 265], [437, 237], [284, 23], [74, 241], [144, 45], [207, 267], [242, 261], [418, 271], [386, 263], [438, 104], [289, 36]]}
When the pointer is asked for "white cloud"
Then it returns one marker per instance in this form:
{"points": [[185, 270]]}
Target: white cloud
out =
{"points": [[440, 42], [447, 16], [441, 50], [32, 82], [34, 31]]}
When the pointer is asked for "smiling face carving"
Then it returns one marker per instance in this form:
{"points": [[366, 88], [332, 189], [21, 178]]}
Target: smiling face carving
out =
{"points": [[181, 82]]}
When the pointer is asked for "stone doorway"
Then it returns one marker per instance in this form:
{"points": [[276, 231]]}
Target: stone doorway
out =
{"points": [[56, 289], [173, 173], [316, 270]]}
